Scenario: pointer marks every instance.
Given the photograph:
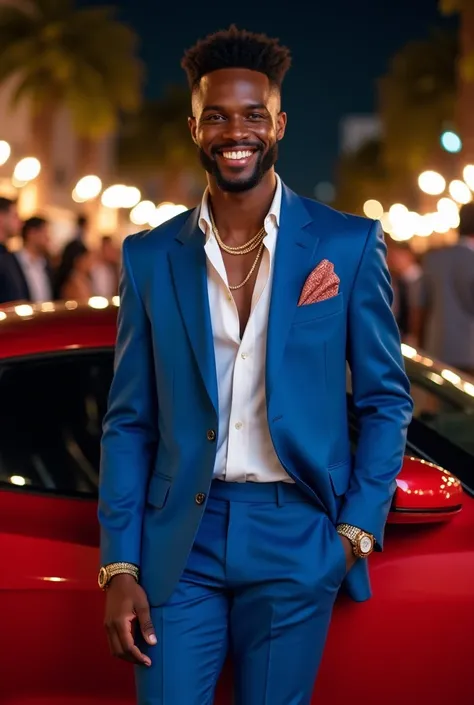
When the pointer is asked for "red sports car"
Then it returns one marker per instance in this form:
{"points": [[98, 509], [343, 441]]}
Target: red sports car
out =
{"points": [[410, 644]]}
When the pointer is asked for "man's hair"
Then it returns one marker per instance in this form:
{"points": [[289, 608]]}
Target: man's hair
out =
{"points": [[466, 219], [6, 204], [33, 223], [237, 48]]}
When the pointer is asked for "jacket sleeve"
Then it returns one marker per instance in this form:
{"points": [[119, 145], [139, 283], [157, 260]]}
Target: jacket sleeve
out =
{"points": [[380, 392], [130, 435]]}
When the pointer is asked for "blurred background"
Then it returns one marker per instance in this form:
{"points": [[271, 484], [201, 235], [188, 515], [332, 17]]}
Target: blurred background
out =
{"points": [[92, 97], [94, 141]]}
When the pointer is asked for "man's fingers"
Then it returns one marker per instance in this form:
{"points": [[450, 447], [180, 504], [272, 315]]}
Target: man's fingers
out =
{"points": [[123, 646], [146, 625]]}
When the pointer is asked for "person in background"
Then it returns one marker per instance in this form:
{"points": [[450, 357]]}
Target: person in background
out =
{"points": [[407, 283], [11, 283], [105, 272], [446, 312], [33, 260], [73, 278]]}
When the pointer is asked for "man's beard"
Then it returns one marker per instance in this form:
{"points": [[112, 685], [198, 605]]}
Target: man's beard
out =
{"points": [[263, 163]]}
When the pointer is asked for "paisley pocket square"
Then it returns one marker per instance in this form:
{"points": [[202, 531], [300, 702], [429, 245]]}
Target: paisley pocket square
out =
{"points": [[321, 284]]}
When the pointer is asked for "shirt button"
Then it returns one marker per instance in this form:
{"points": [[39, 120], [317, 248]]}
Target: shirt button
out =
{"points": [[200, 498], [238, 425], [244, 356], [211, 435]]}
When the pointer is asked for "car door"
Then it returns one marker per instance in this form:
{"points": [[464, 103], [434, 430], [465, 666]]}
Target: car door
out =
{"points": [[53, 642]]}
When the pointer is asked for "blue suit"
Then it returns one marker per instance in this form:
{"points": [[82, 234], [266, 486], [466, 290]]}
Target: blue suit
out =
{"points": [[159, 507]]}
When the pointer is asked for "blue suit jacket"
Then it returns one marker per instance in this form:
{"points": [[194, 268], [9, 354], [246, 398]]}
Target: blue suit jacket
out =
{"points": [[157, 454]]}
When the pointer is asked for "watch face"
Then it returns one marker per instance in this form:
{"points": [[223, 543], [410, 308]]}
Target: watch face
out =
{"points": [[102, 577], [365, 544]]}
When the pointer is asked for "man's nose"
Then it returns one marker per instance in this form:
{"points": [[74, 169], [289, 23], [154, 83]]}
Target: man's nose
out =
{"points": [[236, 130]]}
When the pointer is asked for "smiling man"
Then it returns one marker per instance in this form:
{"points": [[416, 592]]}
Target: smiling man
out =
{"points": [[232, 510]]}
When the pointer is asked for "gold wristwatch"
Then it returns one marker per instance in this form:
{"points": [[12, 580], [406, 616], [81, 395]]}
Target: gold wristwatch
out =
{"points": [[362, 542], [107, 572]]}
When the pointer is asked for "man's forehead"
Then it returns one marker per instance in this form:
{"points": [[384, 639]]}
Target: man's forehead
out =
{"points": [[227, 86]]}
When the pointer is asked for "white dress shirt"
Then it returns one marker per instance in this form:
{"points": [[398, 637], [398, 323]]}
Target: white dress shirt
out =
{"points": [[37, 279], [245, 451]]}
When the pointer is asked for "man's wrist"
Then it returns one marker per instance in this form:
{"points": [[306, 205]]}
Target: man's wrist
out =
{"points": [[107, 572], [362, 542]]}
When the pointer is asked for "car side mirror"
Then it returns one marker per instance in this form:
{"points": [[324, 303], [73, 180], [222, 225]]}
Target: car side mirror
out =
{"points": [[425, 494]]}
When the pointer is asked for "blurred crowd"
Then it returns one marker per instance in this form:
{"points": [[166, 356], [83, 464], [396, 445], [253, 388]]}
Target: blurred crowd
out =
{"points": [[434, 296], [33, 273]]}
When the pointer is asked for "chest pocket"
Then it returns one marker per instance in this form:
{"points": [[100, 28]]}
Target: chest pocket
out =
{"points": [[319, 310]]}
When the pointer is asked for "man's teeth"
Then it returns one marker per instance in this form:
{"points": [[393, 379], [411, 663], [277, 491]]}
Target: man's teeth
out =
{"points": [[238, 155]]}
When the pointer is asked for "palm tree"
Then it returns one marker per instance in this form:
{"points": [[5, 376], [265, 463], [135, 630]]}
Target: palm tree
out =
{"points": [[465, 96], [417, 98], [82, 60], [156, 143]]}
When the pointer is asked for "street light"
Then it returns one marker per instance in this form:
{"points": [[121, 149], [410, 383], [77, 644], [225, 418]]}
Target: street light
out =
{"points": [[87, 188], [468, 175], [373, 209], [27, 169], [459, 191], [451, 142], [431, 183], [5, 151]]}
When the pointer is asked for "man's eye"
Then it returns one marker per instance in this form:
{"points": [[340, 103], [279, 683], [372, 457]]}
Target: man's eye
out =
{"points": [[256, 116]]}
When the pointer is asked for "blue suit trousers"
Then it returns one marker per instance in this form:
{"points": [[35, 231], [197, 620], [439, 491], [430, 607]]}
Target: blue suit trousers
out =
{"points": [[260, 583]]}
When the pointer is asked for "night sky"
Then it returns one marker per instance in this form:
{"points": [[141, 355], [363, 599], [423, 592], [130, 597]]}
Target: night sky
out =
{"points": [[339, 47]]}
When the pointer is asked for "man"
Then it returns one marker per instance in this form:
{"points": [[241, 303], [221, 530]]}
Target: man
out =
{"points": [[33, 260], [105, 272], [407, 278], [447, 319], [11, 282], [226, 459]]}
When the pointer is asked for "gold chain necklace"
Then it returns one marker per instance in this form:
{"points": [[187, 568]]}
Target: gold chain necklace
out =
{"points": [[252, 244], [244, 249]]}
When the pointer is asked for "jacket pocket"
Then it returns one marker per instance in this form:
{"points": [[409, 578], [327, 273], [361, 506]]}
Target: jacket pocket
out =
{"points": [[158, 491], [319, 309], [340, 476]]}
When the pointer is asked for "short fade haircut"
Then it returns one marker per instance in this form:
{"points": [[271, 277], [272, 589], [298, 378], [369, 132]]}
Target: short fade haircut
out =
{"points": [[6, 204], [466, 219], [237, 48]]}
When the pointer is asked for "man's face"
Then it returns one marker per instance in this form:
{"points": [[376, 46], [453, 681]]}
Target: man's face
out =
{"points": [[41, 239], [237, 124]]}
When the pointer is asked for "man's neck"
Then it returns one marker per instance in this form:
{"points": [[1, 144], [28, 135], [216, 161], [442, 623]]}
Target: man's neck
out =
{"points": [[32, 252], [239, 216]]}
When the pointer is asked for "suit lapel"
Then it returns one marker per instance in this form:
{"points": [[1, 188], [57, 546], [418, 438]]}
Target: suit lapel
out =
{"points": [[188, 266], [294, 259]]}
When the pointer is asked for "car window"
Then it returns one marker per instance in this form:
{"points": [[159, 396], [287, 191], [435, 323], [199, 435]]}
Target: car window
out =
{"points": [[51, 412], [447, 417]]}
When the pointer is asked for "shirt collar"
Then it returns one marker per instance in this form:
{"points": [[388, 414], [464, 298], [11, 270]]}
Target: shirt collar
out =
{"points": [[272, 217]]}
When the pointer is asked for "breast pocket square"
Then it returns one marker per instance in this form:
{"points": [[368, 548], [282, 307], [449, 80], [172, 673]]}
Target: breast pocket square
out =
{"points": [[321, 284]]}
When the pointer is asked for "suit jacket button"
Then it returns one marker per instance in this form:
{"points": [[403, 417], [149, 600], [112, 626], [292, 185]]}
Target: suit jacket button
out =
{"points": [[200, 497], [211, 435]]}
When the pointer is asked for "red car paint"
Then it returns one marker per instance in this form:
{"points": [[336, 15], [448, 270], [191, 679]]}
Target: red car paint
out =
{"points": [[410, 644]]}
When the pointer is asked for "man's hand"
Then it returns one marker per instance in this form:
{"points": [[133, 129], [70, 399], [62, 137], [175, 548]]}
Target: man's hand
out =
{"points": [[351, 559], [127, 602]]}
